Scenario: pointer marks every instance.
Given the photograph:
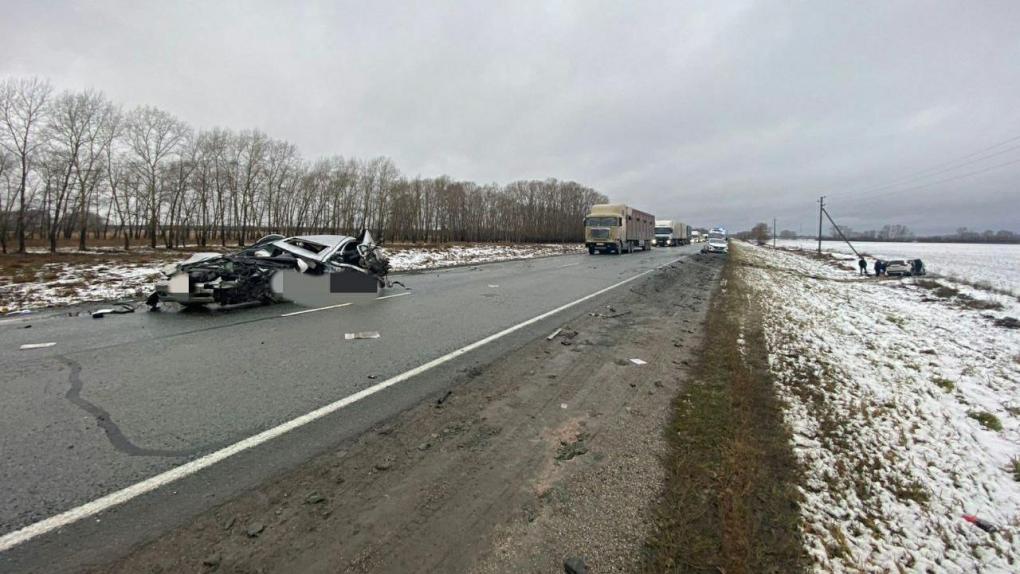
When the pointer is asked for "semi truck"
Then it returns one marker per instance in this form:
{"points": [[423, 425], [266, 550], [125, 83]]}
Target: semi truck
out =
{"points": [[669, 233], [616, 228], [696, 236]]}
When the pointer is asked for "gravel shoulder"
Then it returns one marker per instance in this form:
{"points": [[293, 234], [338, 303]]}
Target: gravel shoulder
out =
{"points": [[551, 452]]}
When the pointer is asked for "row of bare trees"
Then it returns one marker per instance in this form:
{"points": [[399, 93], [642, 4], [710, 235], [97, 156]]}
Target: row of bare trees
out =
{"points": [[74, 164]]}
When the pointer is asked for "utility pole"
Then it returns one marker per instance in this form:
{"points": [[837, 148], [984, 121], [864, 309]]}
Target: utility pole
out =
{"points": [[773, 233], [821, 208]]}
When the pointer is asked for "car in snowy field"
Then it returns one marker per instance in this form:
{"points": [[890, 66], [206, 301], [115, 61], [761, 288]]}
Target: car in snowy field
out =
{"points": [[904, 267], [715, 245], [261, 272]]}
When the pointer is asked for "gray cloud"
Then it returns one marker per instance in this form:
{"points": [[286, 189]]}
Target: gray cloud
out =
{"points": [[714, 112]]}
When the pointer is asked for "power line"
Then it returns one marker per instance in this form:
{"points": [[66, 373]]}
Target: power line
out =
{"points": [[940, 169]]}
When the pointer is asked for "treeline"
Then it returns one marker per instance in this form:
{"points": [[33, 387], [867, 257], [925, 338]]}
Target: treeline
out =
{"points": [[900, 233], [74, 164]]}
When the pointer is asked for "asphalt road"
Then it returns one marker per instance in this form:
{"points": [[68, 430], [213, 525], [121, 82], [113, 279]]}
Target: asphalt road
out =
{"points": [[122, 399]]}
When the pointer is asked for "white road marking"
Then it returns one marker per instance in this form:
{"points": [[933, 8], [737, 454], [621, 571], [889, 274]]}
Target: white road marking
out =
{"points": [[569, 265], [89, 509], [314, 310], [393, 295], [27, 346]]}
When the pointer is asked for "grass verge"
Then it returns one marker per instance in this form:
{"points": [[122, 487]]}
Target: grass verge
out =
{"points": [[730, 503]]}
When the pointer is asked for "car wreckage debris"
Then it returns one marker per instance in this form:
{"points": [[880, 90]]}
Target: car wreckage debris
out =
{"points": [[259, 273], [362, 335]]}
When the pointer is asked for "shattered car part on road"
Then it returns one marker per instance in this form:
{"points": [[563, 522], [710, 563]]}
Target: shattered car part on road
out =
{"points": [[273, 270]]}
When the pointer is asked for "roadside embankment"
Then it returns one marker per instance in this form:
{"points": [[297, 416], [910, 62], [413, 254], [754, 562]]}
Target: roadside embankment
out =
{"points": [[903, 396]]}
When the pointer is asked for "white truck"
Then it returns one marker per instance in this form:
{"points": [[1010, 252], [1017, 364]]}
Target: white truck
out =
{"points": [[669, 233]]}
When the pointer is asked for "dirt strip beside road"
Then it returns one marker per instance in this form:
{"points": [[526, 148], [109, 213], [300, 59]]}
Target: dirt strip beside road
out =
{"points": [[551, 452]]}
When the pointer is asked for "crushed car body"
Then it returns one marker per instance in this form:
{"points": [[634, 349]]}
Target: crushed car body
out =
{"points": [[272, 268]]}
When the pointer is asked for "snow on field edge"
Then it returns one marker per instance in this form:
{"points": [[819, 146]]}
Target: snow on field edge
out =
{"points": [[885, 383]]}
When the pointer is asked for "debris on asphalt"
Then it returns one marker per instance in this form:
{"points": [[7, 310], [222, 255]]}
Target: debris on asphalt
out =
{"points": [[314, 498], [362, 335], [384, 465], [553, 335], [117, 309], [575, 565], [563, 405], [493, 286], [443, 398], [27, 346], [254, 529], [638, 362]]}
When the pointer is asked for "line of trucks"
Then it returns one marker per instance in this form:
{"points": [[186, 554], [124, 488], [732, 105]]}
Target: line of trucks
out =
{"points": [[618, 228]]}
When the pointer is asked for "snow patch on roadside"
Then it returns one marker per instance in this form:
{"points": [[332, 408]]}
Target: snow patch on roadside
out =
{"points": [[884, 383], [431, 258]]}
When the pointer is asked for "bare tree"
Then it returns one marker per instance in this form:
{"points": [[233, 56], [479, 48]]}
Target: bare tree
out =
{"points": [[23, 106], [153, 136]]}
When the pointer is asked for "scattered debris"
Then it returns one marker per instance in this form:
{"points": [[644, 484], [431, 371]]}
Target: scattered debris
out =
{"points": [[574, 565], [442, 399], [384, 465], [362, 335], [27, 346], [314, 498], [212, 561], [563, 405], [119, 308], [982, 524], [254, 529], [1008, 322], [493, 286], [554, 333], [569, 450], [638, 362]]}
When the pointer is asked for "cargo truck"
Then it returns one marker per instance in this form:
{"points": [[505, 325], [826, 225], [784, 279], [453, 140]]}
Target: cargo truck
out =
{"points": [[669, 233], [615, 228]]}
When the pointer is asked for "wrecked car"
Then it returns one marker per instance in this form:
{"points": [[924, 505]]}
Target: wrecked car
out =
{"points": [[274, 269]]}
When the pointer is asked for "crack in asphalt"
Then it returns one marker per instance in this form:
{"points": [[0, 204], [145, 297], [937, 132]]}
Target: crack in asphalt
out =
{"points": [[110, 428]]}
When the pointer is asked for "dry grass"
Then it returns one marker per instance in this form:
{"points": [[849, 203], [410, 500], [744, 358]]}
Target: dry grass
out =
{"points": [[730, 503]]}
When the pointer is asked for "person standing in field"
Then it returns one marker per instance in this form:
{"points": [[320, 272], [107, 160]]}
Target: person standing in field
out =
{"points": [[878, 267], [863, 265]]}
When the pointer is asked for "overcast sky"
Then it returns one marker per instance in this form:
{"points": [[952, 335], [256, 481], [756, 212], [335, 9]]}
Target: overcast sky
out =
{"points": [[715, 113]]}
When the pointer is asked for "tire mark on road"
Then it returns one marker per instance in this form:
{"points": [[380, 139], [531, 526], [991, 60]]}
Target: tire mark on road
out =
{"points": [[113, 432]]}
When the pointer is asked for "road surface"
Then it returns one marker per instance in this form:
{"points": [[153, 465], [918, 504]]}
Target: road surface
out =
{"points": [[121, 400]]}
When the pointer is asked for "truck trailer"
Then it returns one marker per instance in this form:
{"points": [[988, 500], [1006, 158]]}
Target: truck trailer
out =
{"points": [[615, 228], [669, 233]]}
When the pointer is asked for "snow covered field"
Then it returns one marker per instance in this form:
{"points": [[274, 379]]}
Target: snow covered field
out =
{"points": [[904, 403], [996, 265], [56, 284]]}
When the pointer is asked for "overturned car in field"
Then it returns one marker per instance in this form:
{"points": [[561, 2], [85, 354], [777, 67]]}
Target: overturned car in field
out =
{"points": [[276, 268]]}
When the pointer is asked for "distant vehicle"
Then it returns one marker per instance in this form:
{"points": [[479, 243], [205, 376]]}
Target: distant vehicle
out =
{"points": [[669, 233], [717, 233], [615, 228], [696, 236], [904, 267], [715, 245]]}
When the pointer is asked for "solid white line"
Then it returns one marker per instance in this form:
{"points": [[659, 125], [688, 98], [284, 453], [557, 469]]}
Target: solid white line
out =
{"points": [[314, 310], [94, 507]]}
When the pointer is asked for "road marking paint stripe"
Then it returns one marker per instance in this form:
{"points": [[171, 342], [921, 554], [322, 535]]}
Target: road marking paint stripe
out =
{"points": [[119, 497], [393, 295], [314, 310]]}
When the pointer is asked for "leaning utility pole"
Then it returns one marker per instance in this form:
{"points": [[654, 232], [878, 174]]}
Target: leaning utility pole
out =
{"points": [[773, 233], [821, 208]]}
